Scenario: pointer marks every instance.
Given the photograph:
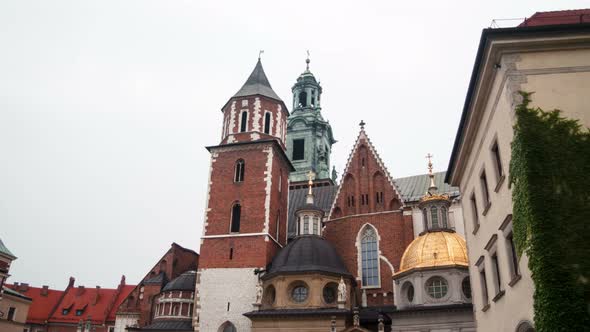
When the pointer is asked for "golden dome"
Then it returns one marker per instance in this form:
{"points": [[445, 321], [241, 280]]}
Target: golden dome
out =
{"points": [[435, 249]]}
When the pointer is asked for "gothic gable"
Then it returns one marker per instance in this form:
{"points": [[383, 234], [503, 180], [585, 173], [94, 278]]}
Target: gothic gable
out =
{"points": [[366, 186]]}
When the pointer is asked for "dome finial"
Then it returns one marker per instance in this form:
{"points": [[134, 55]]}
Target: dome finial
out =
{"points": [[432, 188], [310, 177], [307, 61]]}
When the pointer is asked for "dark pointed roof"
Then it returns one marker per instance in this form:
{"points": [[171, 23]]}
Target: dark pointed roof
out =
{"points": [[257, 84]]}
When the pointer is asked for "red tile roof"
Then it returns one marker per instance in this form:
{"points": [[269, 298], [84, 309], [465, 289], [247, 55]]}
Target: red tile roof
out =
{"points": [[574, 16], [41, 305], [98, 304]]}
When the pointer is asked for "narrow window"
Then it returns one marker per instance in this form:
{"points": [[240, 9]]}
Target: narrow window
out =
{"points": [[11, 313], [496, 153], [443, 217], [348, 201], [369, 258], [475, 215], [484, 286], [235, 218], [377, 198], [352, 200], [434, 217], [231, 253], [497, 272], [513, 255], [278, 224], [244, 122], [298, 149], [363, 162], [240, 167], [267, 123], [316, 226], [484, 188], [363, 199], [302, 98], [306, 225]]}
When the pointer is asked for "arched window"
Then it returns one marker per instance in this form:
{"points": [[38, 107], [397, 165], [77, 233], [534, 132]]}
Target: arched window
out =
{"points": [[239, 170], [227, 327], [267, 123], [306, 225], [235, 218], [303, 98], [369, 258], [434, 216], [443, 217], [244, 122]]}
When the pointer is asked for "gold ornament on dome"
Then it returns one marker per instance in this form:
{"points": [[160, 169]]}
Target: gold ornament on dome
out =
{"points": [[433, 197], [435, 249]]}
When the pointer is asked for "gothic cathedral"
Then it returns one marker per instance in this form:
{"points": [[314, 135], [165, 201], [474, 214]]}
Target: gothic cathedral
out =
{"points": [[286, 248]]}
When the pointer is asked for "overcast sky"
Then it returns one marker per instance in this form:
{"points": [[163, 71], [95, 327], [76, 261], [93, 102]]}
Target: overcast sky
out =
{"points": [[106, 106]]}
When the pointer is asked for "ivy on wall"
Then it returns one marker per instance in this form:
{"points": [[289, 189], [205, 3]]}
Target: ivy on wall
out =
{"points": [[550, 175]]}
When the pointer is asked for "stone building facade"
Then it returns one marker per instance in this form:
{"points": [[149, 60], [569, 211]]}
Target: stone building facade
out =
{"points": [[548, 54]]}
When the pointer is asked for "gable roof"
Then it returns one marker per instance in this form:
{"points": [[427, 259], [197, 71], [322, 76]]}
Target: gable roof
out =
{"points": [[257, 84], [362, 137], [43, 302]]}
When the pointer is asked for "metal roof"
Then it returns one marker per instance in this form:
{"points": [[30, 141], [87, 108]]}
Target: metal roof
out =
{"points": [[323, 197], [307, 253], [414, 187], [184, 282], [5, 251], [257, 84]]}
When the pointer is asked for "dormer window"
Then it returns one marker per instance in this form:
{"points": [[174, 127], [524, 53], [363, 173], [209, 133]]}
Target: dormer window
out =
{"points": [[79, 312]]}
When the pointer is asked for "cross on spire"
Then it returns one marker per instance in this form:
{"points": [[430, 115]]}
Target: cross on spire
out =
{"points": [[362, 124], [310, 176], [429, 157]]}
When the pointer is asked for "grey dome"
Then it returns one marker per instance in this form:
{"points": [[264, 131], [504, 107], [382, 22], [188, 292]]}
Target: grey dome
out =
{"points": [[184, 282], [305, 254]]}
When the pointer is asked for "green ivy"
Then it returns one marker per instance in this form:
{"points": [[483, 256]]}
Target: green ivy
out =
{"points": [[550, 175]]}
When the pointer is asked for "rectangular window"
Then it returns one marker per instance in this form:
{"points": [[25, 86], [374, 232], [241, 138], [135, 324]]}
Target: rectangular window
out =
{"points": [[244, 122], [315, 226], [497, 160], [475, 215], [513, 255], [267, 123], [298, 149], [484, 188], [496, 268], [11, 313], [484, 286], [305, 225]]}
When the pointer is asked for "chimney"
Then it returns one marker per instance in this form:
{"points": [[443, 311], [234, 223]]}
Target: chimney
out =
{"points": [[80, 290], [71, 282], [44, 290], [96, 296], [23, 287]]}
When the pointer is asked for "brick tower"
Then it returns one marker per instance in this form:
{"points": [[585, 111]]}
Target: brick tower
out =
{"points": [[246, 214]]}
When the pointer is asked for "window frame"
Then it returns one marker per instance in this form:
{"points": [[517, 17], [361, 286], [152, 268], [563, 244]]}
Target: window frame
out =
{"points": [[363, 258], [267, 123], [298, 145], [239, 218], [244, 121], [239, 170]]}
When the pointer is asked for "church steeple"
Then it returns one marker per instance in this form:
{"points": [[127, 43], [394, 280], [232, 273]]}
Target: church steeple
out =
{"points": [[257, 84], [309, 136]]}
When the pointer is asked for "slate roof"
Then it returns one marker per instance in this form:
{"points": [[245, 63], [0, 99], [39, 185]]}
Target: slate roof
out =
{"points": [[184, 282], [323, 197], [257, 84], [414, 187], [307, 253], [5, 251]]}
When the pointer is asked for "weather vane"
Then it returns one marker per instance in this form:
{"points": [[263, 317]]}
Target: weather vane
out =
{"points": [[429, 157], [260, 54]]}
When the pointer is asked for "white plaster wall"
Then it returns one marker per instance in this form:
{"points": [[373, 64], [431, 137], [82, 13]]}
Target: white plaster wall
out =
{"points": [[559, 79], [124, 320], [217, 287]]}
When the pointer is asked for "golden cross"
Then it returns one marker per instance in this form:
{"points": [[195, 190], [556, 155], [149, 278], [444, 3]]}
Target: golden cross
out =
{"points": [[310, 176], [429, 157]]}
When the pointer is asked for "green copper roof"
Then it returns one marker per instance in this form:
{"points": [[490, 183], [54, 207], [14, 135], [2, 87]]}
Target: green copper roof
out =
{"points": [[257, 84], [4, 250]]}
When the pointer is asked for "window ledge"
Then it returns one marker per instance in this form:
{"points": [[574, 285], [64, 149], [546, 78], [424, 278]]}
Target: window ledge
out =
{"points": [[475, 229], [485, 307], [499, 184], [514, 280], [499, 295], [487, 208]]}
